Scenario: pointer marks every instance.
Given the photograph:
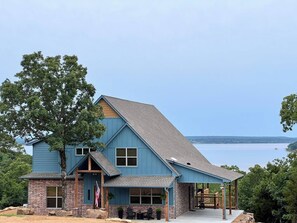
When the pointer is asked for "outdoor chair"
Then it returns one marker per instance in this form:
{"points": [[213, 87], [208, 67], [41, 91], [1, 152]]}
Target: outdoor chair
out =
{"points": [[149, 214], [130, 213]]}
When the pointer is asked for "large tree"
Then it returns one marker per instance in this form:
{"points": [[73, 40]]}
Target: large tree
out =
{"points": [[52, 101]]}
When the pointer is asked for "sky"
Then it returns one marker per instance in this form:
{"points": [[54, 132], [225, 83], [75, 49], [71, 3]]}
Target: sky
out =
{"points": [[211, 67]]}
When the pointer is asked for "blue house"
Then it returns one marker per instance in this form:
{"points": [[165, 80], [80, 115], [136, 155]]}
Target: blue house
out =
{"points": [[146, 162]]}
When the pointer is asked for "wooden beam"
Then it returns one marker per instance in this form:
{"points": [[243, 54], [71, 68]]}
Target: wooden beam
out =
{"points": [[102, 191], [76, 189], [230, 199], [89, 171], [236, 194], [224, 202], [89, 163], [107, 201], [166, 206]]}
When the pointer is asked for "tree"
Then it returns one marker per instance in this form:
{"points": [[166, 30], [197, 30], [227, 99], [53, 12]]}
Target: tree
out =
{"points": [[52, 101]]}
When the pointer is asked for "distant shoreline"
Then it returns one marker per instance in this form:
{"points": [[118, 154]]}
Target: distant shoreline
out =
{"points": [[239, 139]]}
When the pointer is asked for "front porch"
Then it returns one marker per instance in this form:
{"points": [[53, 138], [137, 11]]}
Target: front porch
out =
{"points": [[201, 216]]}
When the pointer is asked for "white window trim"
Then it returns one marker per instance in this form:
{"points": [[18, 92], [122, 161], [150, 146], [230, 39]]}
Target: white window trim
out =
{"points": [[140, 196], [126, 156], [83, 148], [56, 197]]}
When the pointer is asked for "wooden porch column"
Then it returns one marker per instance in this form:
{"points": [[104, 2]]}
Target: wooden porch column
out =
{"points": [[89, 164], [224, 201], [76, 189], [166, 205], [102, 191], [106, 200], [236, 194], [230, 199]]}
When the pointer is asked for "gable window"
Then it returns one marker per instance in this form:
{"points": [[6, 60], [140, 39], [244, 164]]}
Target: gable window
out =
{"points": [[54, 197], [81, 151], [145, 196], [126, 156]]}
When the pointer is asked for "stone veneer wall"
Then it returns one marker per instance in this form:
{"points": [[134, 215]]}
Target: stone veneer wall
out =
{"points": [[182, 197], [113, 212], [37, 195]]}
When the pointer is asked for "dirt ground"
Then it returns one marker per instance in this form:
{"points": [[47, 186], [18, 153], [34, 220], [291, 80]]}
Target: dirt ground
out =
{"points": [[11, 217], [47, 219]]}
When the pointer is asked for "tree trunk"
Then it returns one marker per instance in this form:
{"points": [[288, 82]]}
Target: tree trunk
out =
{"points": [[63, 177]]}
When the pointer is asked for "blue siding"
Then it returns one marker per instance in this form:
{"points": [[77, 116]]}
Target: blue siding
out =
{"points": [[191, 176], [148, 163], [112, 126], [45, 160], [89, 183], [121, 196]]}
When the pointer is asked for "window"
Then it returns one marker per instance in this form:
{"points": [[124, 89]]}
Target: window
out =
{"points": [[126, 156], [54, 197], [145, 196], [83, 151]]}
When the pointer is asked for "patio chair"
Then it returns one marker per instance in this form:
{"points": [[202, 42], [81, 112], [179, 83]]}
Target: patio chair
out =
{"points": [[130, 213], [149, 214]]}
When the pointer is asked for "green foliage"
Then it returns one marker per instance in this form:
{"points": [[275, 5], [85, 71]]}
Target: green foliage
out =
{"points": [[51, 101], [288, 112], [270, 192], [13, 191]]}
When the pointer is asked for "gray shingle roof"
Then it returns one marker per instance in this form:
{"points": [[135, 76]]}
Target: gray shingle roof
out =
{"points": [[140, 181], [164, 138], [45, 176], [107, 167], [101, 161]]}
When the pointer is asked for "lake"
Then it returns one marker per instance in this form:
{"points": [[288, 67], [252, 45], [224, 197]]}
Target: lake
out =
{"points": [[243, 155]]}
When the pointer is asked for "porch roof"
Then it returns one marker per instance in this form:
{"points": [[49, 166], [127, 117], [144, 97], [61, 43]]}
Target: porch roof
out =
{"points": [[45, 176], [140, 181], [101, 161]]}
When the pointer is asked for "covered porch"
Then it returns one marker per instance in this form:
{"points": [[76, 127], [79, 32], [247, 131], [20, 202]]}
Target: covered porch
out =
{"points": [[215, 204], [201, 216]]}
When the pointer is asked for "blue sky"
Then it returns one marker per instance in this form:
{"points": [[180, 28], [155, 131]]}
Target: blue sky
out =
{"points": [[211, 67]]}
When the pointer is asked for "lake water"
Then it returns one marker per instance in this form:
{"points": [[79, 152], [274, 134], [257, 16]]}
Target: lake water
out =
{"points": [[242, 155]]}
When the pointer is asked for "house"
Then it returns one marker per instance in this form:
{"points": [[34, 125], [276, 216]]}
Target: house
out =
{"points": [[146, 162]]}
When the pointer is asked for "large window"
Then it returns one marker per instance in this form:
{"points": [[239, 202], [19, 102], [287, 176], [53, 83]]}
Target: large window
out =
{"points": [[145, 196], [81, 151], [126, 156], [54, 197]]}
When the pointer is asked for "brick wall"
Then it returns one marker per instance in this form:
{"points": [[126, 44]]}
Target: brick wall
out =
{"points": [[182, 197], [37, 195]]}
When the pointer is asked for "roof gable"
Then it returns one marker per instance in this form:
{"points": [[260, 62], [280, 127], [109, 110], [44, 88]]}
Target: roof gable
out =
{"points": [[162, 137]]}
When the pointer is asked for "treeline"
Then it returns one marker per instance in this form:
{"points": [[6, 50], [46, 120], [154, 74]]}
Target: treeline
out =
{"points": [[270, 192], [13, 191]]}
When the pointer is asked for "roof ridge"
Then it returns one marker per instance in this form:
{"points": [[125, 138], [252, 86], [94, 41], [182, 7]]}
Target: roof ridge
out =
{"points": [[121, 99]]}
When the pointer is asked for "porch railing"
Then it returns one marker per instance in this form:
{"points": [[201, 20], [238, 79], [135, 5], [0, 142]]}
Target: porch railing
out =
{"points": [[212, 201]]}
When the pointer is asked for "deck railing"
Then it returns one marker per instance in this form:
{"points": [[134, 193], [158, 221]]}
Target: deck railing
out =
{"points": [[212, 201]]}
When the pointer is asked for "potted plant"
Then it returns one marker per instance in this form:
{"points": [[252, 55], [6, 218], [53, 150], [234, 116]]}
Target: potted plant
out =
{"points": [[158, 212], [120, 212]]}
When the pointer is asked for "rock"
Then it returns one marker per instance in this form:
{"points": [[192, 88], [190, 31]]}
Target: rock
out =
{"points": [[63, 213], [96, 213], [25, 211], [52, 213], [9, 208], [118, 220]]}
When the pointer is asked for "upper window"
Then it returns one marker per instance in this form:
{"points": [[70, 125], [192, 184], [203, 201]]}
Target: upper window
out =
{"points": [[81, 151], [54, 197], [145, 196], [126, 156]]}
